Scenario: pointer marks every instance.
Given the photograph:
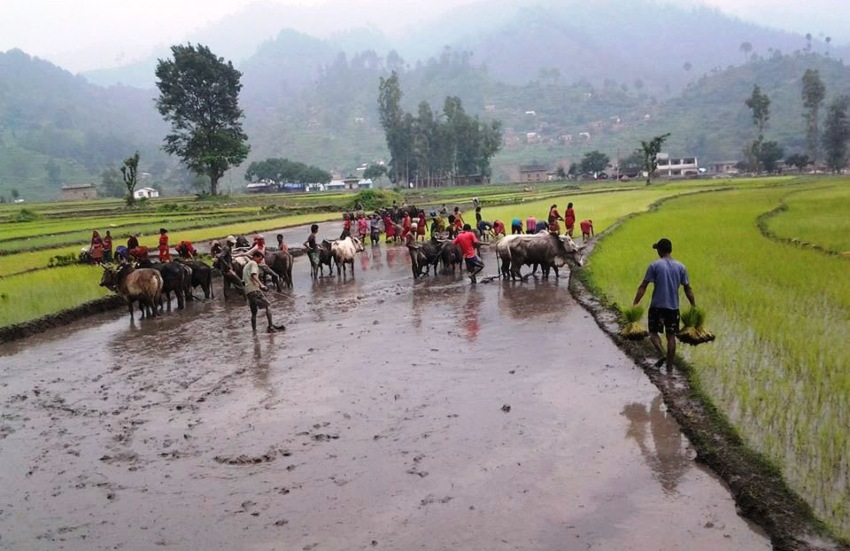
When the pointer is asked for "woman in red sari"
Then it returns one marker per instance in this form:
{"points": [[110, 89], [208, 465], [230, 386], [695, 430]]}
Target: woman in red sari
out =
{"points": [[420, 228], [570, 219], [164, 254], [96, 248], [389, 228], [554, 227]]}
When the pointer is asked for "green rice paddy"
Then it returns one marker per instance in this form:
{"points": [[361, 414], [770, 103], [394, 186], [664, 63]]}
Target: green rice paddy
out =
{"points": [[779, 368]]}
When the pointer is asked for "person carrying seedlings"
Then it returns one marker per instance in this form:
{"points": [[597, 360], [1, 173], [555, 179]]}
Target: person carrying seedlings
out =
{"points": [[666, 275], [254, 292]]}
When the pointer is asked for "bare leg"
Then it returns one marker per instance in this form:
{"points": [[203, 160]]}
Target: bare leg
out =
{"points": [[671, 350], [655, 339], [254, 317]]}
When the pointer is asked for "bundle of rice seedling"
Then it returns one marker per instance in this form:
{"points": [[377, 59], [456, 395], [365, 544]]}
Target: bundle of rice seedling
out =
{"points": [[693, 331], [633, 329]]}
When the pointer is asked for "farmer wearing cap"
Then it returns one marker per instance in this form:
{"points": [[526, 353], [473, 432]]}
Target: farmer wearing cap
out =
{"points": [[260, 247], [254, 291], [666, 275], [164, 254]]}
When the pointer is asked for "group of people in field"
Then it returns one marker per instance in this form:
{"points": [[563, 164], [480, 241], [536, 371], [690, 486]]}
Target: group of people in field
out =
{"points": [[408, 225], [100, 249]]}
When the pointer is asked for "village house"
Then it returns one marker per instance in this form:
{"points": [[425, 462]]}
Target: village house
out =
{"points": [[672, 166], [533, 173], [78, 192], [145, 193]]}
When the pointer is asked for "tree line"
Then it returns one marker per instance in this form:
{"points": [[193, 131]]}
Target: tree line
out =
{"points": [[830, 144], [433, 150]]}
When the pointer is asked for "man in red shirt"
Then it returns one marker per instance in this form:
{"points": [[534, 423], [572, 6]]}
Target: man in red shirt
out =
{"points": [[467, 242]]}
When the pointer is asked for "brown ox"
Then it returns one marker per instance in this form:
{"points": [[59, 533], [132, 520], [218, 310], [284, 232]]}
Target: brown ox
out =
{"points": [[281, 263], [142, 284]]}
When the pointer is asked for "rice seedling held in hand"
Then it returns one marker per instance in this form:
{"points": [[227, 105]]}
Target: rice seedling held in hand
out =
{"points": [[693, 327], [633, 329]]}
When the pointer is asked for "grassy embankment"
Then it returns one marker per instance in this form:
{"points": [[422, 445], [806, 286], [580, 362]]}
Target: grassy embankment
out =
{"points": [[779, 367]]}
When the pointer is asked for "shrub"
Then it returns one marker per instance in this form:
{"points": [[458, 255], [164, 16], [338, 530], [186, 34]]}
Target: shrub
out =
{"points": [[373, 199]]}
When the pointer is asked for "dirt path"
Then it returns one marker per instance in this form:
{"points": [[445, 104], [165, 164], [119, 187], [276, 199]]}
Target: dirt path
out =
{"points": [[391, 414]]}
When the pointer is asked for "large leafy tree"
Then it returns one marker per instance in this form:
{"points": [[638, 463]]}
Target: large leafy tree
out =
{"points": [[837, 133], [594, 161], [814, 93], [199, 96], [649, 153], [283, 171]]}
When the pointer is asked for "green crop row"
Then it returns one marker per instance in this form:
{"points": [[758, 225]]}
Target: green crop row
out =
{"points": [[781, 314], [29, 296], [23, 262], [819, 216]]}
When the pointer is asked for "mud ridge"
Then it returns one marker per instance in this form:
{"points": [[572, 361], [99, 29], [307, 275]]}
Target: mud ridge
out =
{"points": [[760, 492], [59, 319]]}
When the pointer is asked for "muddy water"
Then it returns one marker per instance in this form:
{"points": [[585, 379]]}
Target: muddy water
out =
{"points": [[391, 414]]}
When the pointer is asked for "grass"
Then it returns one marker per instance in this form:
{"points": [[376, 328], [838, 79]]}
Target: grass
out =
{"points": [[23, 262], [820, 216], [30, 296], [781, 314]]}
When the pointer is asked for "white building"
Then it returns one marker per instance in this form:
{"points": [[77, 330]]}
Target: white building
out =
{"points": [[145, 193], [683, 166]]}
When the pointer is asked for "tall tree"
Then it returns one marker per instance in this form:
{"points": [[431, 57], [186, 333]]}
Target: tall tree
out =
{"points": [[649, 152], [837, 133], [814, 93], [760, 105], [130, 170], [746, 48], [392, 118], [199, 96]]}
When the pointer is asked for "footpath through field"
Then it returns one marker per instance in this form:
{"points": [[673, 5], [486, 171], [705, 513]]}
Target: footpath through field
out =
{"points": [[391, 413]]}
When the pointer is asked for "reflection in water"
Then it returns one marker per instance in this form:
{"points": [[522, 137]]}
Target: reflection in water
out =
{"points": [[669, 460], [260, 371], [469, 315], [431, 297], [393, 254], [532, 298], [364, 259]]}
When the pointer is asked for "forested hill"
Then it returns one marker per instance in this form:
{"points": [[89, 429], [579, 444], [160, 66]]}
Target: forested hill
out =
{"points": [[57, 128], [306, 101]]}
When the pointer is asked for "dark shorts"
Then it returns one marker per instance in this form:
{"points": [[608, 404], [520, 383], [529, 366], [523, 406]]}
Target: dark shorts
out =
{"points": [[473, 263], [256, 299], [663, 320]]}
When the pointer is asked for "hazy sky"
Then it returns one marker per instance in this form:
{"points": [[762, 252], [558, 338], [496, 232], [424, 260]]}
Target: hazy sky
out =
{"points": [[86, 34]]}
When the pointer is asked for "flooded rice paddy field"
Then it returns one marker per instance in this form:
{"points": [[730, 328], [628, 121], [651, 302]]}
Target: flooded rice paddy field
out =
{"points": [[391, 414]]}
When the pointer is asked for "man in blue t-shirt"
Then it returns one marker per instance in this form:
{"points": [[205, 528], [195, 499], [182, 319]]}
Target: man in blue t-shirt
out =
{"points": [[666, 275]]}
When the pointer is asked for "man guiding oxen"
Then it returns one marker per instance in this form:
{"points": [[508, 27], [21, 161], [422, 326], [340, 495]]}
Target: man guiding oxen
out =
{"points": [[254, 292], [468, 244]]}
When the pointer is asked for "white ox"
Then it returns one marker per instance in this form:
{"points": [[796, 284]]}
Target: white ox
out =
{"points": [[343, 251], [505, 253]]}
